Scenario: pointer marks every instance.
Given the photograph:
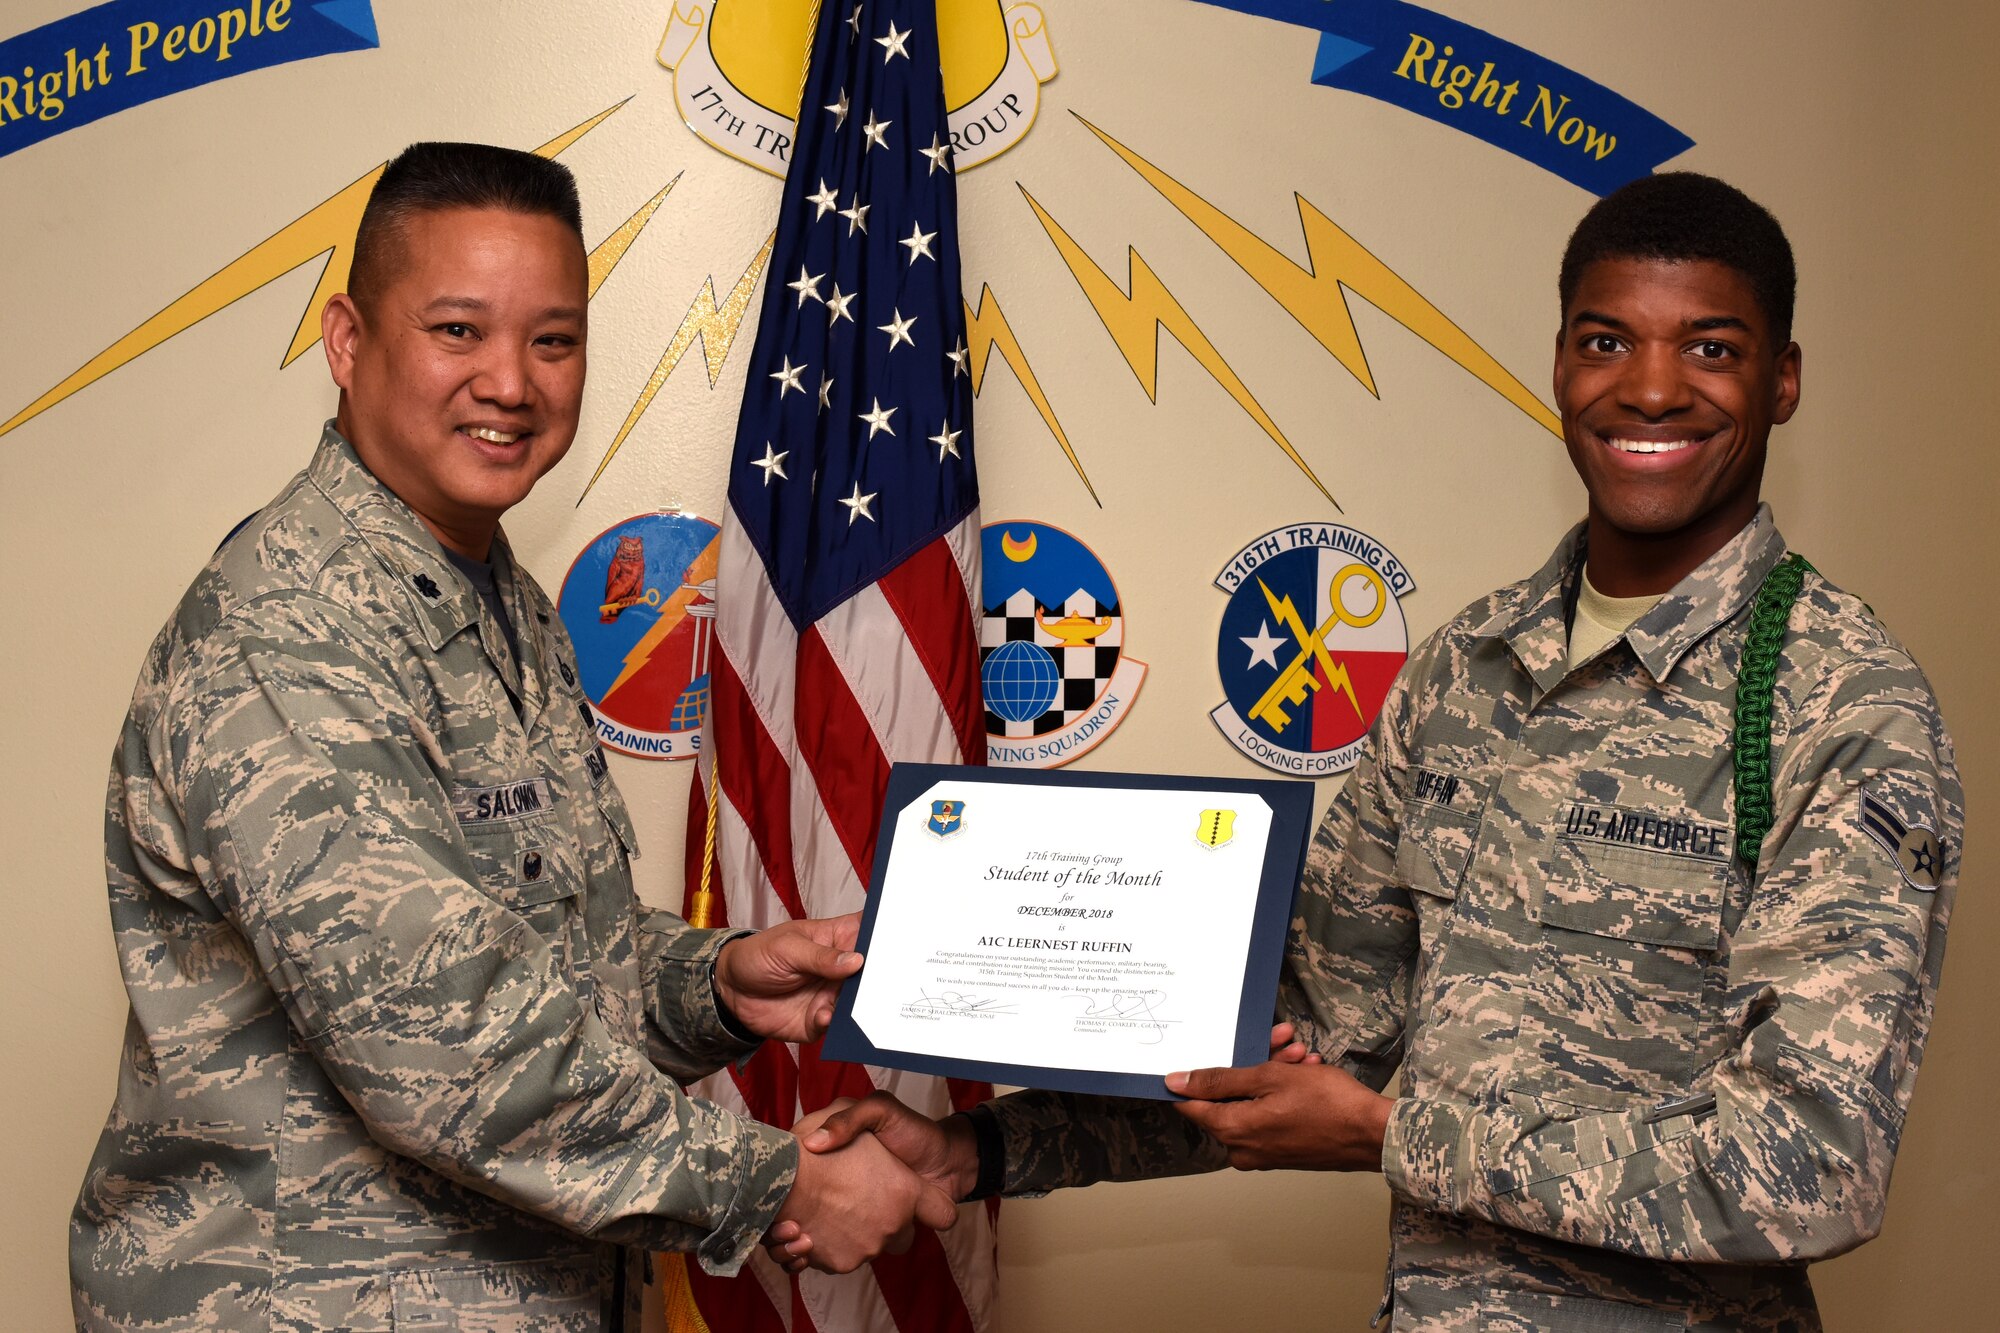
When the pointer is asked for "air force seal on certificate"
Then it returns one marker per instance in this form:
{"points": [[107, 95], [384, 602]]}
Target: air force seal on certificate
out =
{"points": [[947, 819], [1311, 639]]}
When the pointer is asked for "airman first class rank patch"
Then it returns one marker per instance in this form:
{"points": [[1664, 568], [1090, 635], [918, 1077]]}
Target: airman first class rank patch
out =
{"points": [[1917, 851]]}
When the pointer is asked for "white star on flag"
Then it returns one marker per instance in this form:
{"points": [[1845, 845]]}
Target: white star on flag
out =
{"points": [[878, 420], [807, 286], [896, 43], [826, 199], [825, 388], [1263, 647], [857, 218], [957, 358], [788, 377], [947, 441], [836, 305], [771, 462], [919, 242], [877, 132], [839, 110], [939, 153], [898, 330], [858, 504]]}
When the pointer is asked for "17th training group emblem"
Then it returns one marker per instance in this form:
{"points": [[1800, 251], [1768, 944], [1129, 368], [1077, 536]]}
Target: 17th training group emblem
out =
{"points": [[1311, 639], [1052, 659], [639, 603], [736, 70]]}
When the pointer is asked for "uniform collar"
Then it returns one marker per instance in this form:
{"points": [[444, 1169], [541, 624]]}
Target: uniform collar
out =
{"points": [[530, 665], [444, 603], [1720, 586], [1538, 633]]}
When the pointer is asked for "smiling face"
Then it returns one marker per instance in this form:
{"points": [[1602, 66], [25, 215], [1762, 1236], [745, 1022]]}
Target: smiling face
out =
{"points": [[462, 379], [1669, 382]]}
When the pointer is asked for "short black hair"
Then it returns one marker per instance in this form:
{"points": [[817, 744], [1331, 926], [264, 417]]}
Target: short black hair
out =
{"points": [[1683, 215], [430, 177]]}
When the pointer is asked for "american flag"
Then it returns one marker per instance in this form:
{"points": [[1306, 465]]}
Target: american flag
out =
{"points": [[846, 601]]}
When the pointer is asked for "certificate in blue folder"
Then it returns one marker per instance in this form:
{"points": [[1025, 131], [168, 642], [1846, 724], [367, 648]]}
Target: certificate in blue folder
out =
{"points": [[1089, 932]]}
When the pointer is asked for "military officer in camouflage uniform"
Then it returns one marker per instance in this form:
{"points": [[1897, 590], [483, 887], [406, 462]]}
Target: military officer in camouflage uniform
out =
{"points": [[1647, 1074], [403, 1045]]}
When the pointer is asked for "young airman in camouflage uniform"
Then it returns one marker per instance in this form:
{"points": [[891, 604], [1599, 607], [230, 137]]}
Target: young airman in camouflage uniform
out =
{"points": [[1646, 1077], [403, 1045]]}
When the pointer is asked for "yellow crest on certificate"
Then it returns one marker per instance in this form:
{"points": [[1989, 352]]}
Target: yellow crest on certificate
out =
{"points": [[1216, 829], [739, 64]]}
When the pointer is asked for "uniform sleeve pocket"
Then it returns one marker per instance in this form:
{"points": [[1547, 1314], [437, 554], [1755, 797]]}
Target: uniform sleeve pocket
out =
{"points": [[1646, 897]]}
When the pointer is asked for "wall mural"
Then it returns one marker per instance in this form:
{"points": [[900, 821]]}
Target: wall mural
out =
{"points": [[1309, 639]]}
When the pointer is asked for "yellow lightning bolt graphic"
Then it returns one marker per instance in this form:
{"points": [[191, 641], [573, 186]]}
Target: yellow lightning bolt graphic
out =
{"points": [[1296, 680], [1313, 294], [1134, 322], [672, 612], [984, 332], [713, 325], [327, 230]]}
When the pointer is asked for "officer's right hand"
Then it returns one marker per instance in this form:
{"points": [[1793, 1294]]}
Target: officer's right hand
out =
{"points": [[853, 1203]]}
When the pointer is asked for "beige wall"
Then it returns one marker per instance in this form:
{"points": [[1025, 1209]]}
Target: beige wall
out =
{"points": [[1867, 128]]}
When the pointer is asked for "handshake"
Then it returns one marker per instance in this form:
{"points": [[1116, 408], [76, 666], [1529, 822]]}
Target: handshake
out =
{"points": [[870, 1172]]}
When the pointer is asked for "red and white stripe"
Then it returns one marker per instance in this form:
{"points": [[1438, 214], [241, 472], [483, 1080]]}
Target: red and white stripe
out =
{"points": [[805, 725]]}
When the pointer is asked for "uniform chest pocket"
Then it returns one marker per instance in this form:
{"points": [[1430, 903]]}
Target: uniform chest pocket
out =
{"points": [[525, 861], [1651, 898], [1440, 826], [1432, 851], [1627, 961]]}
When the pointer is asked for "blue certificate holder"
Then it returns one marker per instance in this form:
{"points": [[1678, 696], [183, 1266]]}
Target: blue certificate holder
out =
{"points": [[1290, 804]]}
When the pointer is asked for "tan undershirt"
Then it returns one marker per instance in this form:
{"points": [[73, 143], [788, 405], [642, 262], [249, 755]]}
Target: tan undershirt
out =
{"points": [[1600, 619]]}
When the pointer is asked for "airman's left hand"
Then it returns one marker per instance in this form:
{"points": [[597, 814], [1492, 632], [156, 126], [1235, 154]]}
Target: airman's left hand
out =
{"points": [[1299, 1116]]}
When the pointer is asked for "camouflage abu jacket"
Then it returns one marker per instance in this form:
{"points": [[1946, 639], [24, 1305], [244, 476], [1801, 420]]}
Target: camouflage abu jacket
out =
{"points": [[1641, 1086], [398, 1024]]}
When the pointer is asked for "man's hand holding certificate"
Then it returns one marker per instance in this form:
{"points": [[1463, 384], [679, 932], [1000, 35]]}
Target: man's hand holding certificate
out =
{"points": [[1089, 932]]}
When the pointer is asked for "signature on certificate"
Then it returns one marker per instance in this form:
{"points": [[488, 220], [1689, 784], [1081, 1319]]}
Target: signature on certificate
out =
{"points": [[956, 1002], [1138, 1008]]}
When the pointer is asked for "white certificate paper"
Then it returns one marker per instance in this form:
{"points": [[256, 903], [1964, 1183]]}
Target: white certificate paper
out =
{"points": [[1067, 926]]}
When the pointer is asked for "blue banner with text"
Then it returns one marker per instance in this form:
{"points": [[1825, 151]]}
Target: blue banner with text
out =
{"points": [[1467, 78], [118, 55]]}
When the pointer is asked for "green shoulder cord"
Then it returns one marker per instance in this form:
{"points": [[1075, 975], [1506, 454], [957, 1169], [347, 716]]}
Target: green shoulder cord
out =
{"points": [[1756, 680]]}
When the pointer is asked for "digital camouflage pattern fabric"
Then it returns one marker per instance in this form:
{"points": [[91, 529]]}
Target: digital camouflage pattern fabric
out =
{"points": [[403, 1044], [1642, 1086]]}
